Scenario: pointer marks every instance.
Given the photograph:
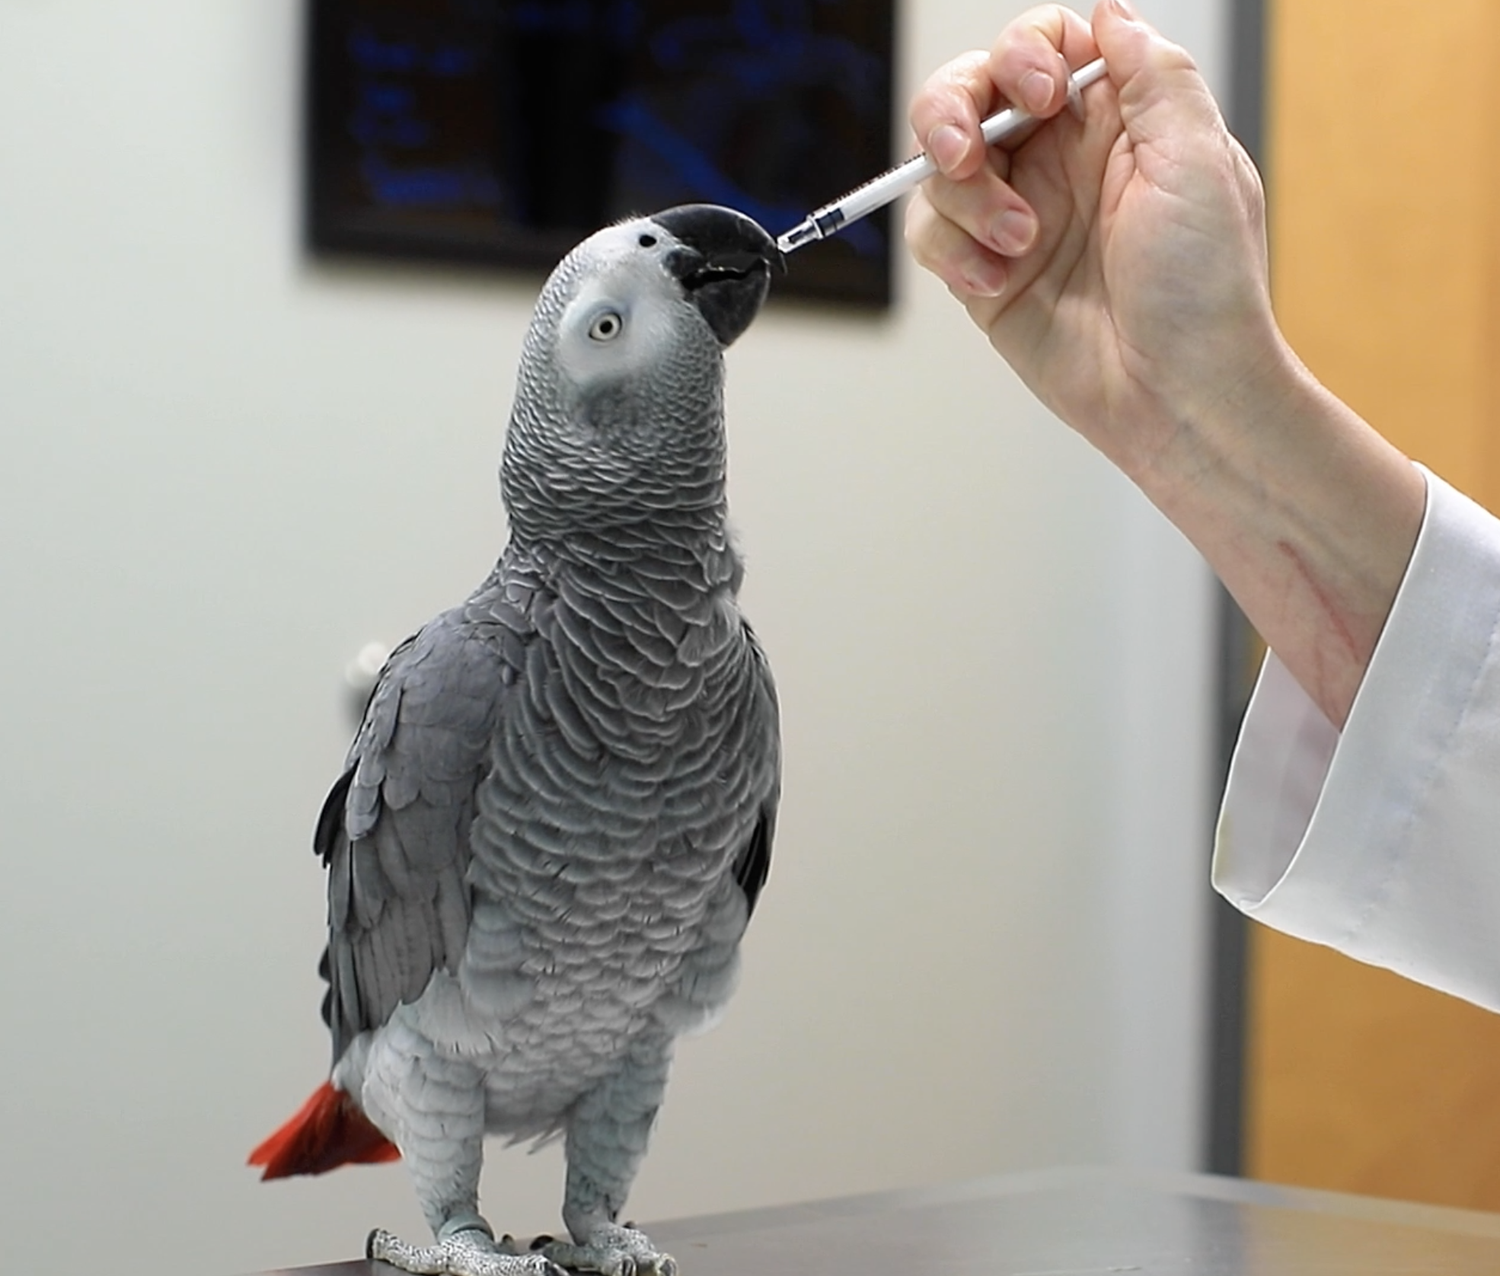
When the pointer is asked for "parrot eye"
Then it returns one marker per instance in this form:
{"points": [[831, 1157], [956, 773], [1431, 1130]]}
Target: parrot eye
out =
{"points": [[606, 327]]}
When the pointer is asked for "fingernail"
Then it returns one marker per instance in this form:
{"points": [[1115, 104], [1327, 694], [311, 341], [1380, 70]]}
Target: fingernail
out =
{"points": [[947, 144], [1036, 91], [1013, 231], [1126, 10], [984, 279]]}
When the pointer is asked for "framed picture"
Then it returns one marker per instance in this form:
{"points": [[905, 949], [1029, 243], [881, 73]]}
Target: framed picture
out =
{"points": [[501, 132]]}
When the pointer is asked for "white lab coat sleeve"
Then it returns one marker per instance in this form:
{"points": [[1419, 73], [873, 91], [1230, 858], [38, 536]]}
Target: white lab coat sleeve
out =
{"points": [[1384, 841]]}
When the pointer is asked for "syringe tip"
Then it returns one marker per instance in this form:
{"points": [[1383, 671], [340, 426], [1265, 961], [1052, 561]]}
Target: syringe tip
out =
{"points": [[803, 232]]}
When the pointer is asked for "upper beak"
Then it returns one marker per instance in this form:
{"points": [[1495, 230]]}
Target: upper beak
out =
{"points": [[724, 264]]}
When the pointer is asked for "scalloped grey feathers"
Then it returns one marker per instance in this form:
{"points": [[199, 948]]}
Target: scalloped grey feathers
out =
{"points": [[558, 812]]}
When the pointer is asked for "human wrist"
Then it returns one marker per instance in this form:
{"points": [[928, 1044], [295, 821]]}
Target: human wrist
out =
{"points": [[1199, 437], [1306, 514]]}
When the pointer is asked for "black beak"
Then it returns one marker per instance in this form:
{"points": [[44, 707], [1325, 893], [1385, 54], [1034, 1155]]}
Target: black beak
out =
{"points": [[724, 264]]}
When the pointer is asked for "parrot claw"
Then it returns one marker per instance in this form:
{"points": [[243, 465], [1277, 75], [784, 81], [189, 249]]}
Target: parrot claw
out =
{"points": [[613, 1250], [466, 1253]]}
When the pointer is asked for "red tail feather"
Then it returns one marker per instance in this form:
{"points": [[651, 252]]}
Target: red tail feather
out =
{"points": [[327, 1132]]}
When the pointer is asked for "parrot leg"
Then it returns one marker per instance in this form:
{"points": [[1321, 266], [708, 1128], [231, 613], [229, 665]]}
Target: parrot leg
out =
{"points": [[438, 1108], [607, 1137]]}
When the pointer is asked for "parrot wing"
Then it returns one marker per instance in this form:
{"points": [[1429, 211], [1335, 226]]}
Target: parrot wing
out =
{"points": [[753, 864], [394, 830]]}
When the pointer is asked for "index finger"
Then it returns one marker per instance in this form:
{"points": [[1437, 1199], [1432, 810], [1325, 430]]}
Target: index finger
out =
{"points": [[1028, 66]]}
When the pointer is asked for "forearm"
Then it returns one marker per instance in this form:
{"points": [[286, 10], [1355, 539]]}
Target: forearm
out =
{"points": [[1306, 514]]}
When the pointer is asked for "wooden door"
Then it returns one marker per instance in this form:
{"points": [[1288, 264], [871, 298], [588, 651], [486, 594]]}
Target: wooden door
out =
{"points": [[1383, 157]]}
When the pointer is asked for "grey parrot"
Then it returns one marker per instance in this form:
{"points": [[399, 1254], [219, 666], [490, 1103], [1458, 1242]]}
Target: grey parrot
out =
{"points": [[557, 813]]}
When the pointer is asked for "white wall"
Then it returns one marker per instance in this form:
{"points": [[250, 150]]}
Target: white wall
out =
{"points": [[224, 469]]}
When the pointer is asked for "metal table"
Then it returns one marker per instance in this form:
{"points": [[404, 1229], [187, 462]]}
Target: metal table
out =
{"points": [[1077, 1223]]}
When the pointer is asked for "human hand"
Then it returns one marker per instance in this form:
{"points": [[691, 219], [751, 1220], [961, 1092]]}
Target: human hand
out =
{"points": [[1119, 264]]}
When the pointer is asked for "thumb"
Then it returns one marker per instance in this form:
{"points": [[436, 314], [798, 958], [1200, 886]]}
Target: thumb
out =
{"points": [[1159, 85]]}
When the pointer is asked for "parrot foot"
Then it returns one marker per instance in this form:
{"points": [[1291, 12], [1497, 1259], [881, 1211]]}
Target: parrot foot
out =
{"points": [[470, 1252], [613, 1250]]}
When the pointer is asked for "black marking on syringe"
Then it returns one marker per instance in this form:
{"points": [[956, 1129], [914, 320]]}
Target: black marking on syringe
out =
{"points": [[828, 223]]}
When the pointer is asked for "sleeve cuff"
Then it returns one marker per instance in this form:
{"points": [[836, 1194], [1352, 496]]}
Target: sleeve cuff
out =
{"points": [[1384, 842]]}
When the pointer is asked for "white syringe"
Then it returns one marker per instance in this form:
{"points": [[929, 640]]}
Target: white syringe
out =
{"points": [[895, 182]]}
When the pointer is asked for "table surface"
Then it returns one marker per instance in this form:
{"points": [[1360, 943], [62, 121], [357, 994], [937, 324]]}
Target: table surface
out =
{"points": [[1076, 1222]]}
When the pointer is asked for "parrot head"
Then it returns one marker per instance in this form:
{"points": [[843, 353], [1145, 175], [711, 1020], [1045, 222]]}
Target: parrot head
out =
{"points": [[619, 399]]}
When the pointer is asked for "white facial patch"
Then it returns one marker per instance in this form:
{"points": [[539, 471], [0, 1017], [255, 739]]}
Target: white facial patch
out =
{"points": [[627, 313]]}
